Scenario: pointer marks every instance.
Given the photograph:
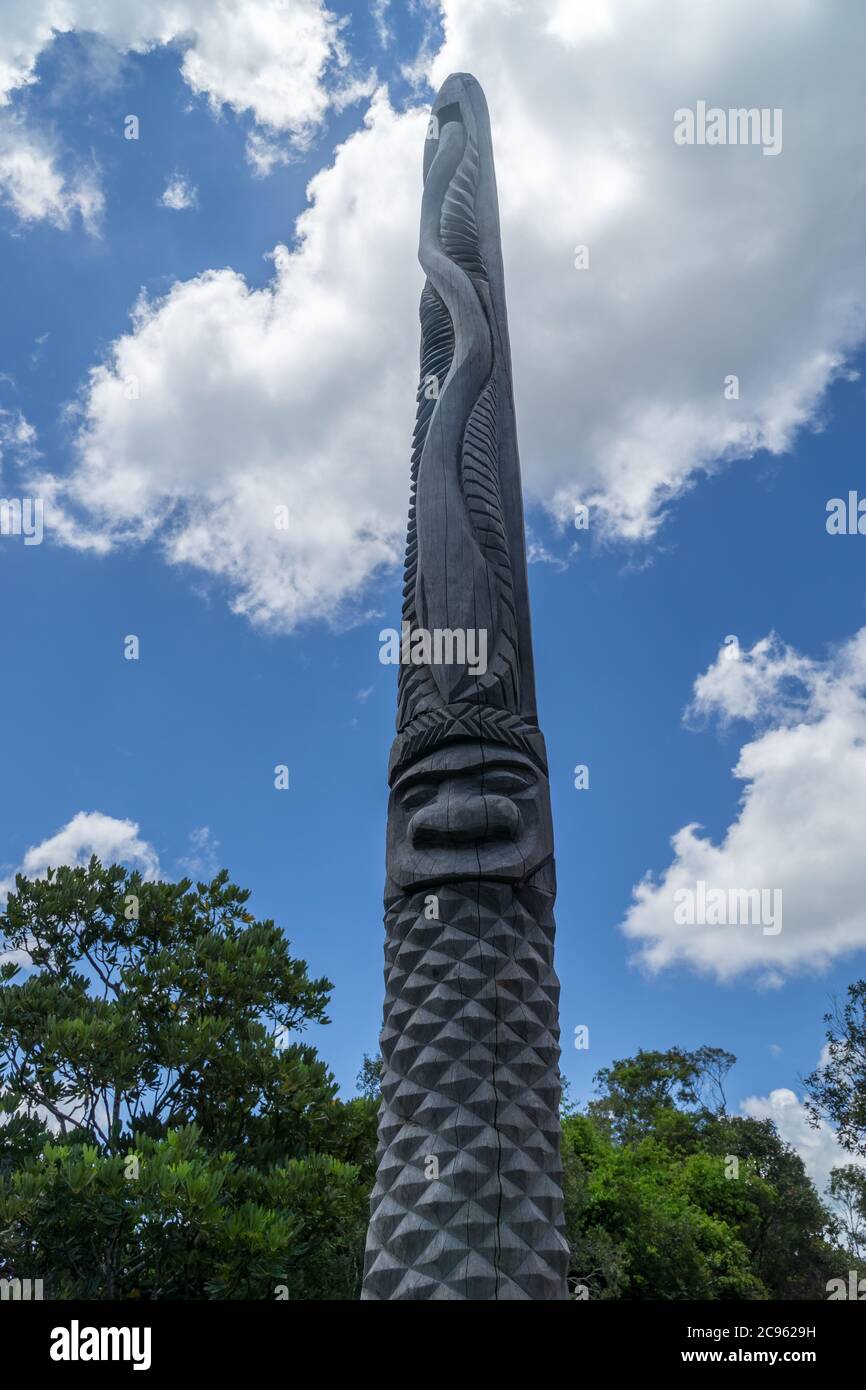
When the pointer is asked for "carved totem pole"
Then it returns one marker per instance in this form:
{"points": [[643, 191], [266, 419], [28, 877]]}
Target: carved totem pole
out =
{"points": [[468, 1201]]}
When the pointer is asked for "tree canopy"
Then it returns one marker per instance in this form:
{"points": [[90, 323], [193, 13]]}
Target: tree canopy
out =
{"points": [[168, 1135], [837, 1087], [669, 1197], [166, 1132]]}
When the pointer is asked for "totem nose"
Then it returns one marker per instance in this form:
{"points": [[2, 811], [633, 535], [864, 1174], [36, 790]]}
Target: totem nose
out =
{"points": [[457, 819]]}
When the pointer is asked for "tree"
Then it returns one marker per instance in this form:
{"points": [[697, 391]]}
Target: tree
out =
{"points": [[369, 1078], [167, 1136], [788, 1231], [667, 1196], [837, 1088], [848, 1190], [165, 1133], [635, 1092]]}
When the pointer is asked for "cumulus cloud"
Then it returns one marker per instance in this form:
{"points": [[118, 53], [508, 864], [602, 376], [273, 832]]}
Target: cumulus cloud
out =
{"points": [[704, 261], [112, 840], [693, 251], [92, 832], [34, 185], [225, 405], [280, 60], [819, 1148], [773, 679], [799, 825], [179, 194], [283, 62]]}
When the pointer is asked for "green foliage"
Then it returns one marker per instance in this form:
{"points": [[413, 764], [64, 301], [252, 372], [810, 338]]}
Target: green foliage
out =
{"points": [[369, 1078], [638, 1093], [171, 1220], [165, 1136], [837, 1088], [848, 1190], [179, 1015], [656, 1208]]}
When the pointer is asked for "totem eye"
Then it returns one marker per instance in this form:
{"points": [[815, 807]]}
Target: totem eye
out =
{"points": [[419, 794], [505, 780]]}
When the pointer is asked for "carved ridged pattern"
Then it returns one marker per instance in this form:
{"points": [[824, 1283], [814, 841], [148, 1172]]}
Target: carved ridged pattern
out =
{"points": [[470, 1048]]}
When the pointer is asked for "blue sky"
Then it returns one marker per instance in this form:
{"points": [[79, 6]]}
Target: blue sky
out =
{"points": [[625, 621]]}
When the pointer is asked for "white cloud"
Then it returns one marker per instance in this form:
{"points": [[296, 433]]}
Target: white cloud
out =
{"points": [[298, 394], [283, 62], [33, 184], [17, 436], [537, 553], [179, 194], [379, 10], [799, 827], [272, 58], [201, 861], [771, 681], [703, 261], [112, 840], [264, 153], [92, 832], [693, 251], [819, 1148]]}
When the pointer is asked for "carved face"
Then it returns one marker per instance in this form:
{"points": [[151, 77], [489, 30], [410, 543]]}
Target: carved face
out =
{"points": [[465, 811]]}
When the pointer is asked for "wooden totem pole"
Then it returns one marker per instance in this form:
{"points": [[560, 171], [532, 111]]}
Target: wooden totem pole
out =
{"points": [[467, 1202]]}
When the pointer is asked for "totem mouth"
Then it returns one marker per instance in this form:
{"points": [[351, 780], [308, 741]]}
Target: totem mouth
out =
{"points": [[462, 839], [501, 860]]}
